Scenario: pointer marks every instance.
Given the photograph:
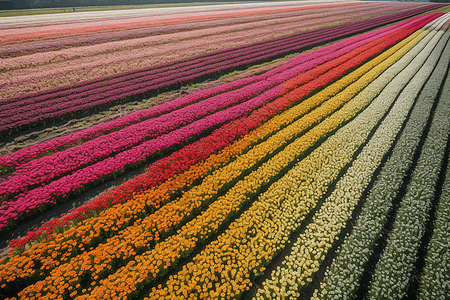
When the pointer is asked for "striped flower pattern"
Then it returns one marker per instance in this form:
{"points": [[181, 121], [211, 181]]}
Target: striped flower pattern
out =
{"points": [[321, 175]]}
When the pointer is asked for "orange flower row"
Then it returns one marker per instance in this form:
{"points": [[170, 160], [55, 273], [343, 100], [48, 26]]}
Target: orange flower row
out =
{"points": [[76, 240], [250, 242], [155, 262], [147, 231]]}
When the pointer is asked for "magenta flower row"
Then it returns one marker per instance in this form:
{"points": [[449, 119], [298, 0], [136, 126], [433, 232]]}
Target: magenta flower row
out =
{"points": [[101, 37], [39, 171], [223, 60], [63, 186], [25, 154]]}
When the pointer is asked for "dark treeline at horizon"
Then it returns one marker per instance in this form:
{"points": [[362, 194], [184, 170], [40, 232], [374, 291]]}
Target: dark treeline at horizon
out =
{"points": [[30, 4]]}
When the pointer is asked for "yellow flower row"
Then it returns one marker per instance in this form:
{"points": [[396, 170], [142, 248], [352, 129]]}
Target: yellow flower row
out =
{"points": [[64, 245], [226, 265], [57, 251], [311, 247], [168, 251]]}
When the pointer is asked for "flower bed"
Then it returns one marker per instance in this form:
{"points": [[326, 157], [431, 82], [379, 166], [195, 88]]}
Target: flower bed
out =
{"points": [[256, 186]]}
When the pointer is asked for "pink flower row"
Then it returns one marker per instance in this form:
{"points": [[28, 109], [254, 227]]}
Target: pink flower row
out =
{"points": [[91, 173], [220, 61], [24, 154], [98, 37], [181, 160], [18, 34], [90, 66]]}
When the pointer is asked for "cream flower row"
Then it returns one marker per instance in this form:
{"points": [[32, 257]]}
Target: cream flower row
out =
{"points": [[264, 228], [311, 247], [344, 274], [435, 280], [151, 264], [393, 271]]}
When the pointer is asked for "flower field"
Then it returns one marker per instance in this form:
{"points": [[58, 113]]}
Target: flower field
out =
{"points": [[287, 150]]}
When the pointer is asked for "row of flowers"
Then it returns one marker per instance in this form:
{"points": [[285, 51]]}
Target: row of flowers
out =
{"points": [[17, 205], [314, 58], [63, 67], [21, 34], [434, 283], [346, 270], [107, 225], [153, 263], [309, 250], [225, 267], [130, 34], [46, 168], [394, 268], [318, 36]]}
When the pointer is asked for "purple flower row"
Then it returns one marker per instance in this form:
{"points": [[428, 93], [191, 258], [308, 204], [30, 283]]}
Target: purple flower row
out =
{"points": [[265, 51], [61, 187], [324, 54], [155, 76], [216, 56], [162, 66], [91, 63], [102, 37]]}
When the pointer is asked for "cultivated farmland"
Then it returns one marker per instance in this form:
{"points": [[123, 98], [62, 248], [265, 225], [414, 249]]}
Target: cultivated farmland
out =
{"points": [[273, 150]]}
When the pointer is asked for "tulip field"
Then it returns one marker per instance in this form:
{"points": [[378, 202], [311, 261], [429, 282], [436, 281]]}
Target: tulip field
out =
{"points": [[249, 150]]}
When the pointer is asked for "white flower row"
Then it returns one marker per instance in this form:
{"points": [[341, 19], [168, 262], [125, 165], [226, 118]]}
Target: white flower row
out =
{"points": [[438, 24], [436, 278], [345, 272], [311, 246], [393, 271]]}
